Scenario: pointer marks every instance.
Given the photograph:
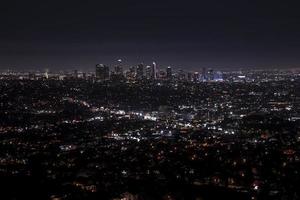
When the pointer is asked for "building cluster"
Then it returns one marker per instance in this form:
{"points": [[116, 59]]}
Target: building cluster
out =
{"points": [[152, 72]]}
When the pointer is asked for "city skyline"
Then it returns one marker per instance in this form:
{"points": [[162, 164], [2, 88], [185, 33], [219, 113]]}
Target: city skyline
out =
{"points": [[126, 66]]}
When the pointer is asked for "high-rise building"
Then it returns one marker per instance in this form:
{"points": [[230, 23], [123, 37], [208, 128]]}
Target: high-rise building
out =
{"points": [[148, 72], [119, 68], [154, 71], [169, 73], [140, 72], [102, 72]]}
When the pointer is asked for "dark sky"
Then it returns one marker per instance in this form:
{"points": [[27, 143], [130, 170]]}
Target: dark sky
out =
{"points": [[188, 34]]}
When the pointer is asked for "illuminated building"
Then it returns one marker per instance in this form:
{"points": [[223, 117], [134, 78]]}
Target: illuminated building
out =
{"points": [[153, 71], [118, 69], [148, 72], [169, 73]]}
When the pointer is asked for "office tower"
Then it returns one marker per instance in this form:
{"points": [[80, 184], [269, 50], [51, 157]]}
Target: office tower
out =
{"points": [[154, 71], [148, 72], [102, 72], [169, 73], [140, 71], [119, 68]]}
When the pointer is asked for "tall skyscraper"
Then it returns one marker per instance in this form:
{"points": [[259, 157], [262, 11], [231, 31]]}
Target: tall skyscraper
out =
{"points": [[119, 68], [148, 72], [169, 73], [102, 72], [154, 71], [140, 71]]}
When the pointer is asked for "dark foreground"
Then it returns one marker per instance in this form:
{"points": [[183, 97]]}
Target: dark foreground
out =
{"points": [[83, 140]]}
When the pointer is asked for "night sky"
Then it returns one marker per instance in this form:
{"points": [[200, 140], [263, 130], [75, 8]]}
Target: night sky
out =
{"points": [[184, 34]]}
